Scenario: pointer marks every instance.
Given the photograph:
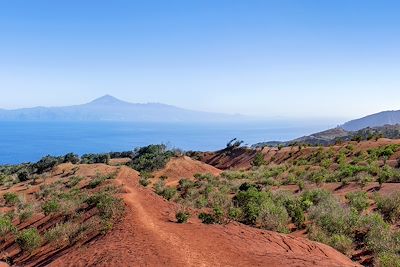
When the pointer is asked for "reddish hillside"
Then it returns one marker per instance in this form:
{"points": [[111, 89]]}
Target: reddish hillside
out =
{"points": [[149, 236], [184, 167]]}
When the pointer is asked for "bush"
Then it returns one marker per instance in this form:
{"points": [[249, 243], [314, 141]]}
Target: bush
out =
{"points": [[314, 197], [206, 218], [72, 158], [389, 206], [74, 181], [182, 216], [273, 216], [95, 158], [109, 207], [151, 158], [331, 217], [6, 226], [144, 181], [259, 160], [250, 202], [388, 259], [11, 198], [342, 243], [23, 175], [60, 233], [26, 213], [358, 200], [29, 239], [51, 206], [295, 210], [168, 193], [46, 164]]}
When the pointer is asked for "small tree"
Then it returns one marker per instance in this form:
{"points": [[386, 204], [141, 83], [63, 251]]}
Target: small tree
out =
{"points": [[259, 160]]}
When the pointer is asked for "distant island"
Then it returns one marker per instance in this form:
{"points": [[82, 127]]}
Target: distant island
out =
{"points": [[109, 108]]}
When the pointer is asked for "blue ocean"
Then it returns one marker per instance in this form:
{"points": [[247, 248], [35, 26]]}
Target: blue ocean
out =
{"points": [[29, 141]]}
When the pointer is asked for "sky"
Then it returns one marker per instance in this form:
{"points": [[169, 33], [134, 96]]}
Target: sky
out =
{"points": [[270, 58]]}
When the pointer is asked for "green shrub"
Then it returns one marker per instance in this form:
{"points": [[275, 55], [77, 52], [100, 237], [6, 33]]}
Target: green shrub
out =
{"points": [[46, 163], [314, 197], [95, 158], [235, 214], [259, 160], [51, 206], [96, 182], [166, 192], [333, 218], [358, 200], [206, 218], [60, 233], [109, 206], [11, 198], [6, 226], [273, 216], [23, 175], [144, 181], [388, 259], [250, 202], [72, 158], [389, 206], [151, 158], [342, 243], [295, 210], [74, 181], [182, 216], [26, 213], [29, 239]]}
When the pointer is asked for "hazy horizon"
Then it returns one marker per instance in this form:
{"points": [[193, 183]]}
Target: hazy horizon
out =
{"points": [[276, 59]]}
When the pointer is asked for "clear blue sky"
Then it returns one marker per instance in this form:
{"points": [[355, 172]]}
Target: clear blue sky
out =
{"points": [[299, 58]]}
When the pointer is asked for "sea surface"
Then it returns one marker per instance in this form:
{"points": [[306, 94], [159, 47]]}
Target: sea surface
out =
{"points": [[29, 141]]}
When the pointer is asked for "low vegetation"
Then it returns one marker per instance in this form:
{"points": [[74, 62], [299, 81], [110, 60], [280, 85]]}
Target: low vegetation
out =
{"points": [[68, 201]]}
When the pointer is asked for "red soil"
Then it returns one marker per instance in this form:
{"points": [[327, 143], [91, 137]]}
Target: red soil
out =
{"points": [[242, 158], [148, 236], [184, 167]]}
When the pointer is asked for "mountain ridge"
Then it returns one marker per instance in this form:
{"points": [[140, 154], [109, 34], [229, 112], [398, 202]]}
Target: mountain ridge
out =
{"points": [[110, 108], [389, 117]]}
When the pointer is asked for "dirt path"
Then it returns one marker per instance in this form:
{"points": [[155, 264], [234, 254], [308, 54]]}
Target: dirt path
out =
{"points": [[148, 236]]}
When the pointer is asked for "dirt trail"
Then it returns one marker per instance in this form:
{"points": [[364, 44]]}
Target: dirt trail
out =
{"points": [[148, 236]]}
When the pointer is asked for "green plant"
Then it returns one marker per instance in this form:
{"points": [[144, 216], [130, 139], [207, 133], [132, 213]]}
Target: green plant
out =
{"points": [[74, 181], [144, 181], [26, 213], [51, 206], [342, 243], [109, 207], [151, 158], [259, 160], [11, 198], [389, 206], [358, 200], [182, 216], [206, 218], [6, 226], [29, 239], [388, 259], [60, 233]]}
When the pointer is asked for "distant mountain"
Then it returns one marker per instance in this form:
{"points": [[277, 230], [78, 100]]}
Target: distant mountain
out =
{"points": [[332, 136], [109, 108], [374, 120]]}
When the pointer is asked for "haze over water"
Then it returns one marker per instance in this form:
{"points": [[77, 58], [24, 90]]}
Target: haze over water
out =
{"points": [[29, 141]]}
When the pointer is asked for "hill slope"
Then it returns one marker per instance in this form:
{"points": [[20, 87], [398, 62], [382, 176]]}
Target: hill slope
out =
{"points": [[149, 236], [108, 108], [374, 120]]}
